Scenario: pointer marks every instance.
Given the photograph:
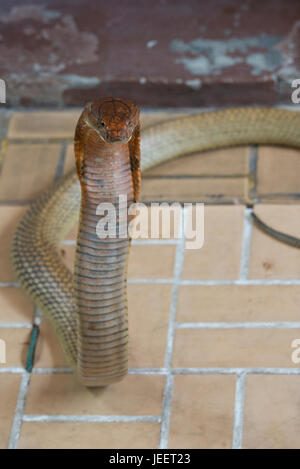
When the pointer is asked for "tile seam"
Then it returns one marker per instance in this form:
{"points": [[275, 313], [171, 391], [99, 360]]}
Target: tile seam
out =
{"points": [[168, 392]]}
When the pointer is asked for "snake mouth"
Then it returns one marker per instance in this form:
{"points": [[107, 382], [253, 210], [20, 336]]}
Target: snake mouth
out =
{"points": [[117, 139], [113, 137]]}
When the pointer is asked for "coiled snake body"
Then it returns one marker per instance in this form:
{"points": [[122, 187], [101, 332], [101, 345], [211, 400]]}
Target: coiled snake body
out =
{"points": [[89, 312]]}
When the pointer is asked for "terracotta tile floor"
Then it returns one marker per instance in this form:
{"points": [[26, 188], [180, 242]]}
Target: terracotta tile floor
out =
{"points": [[211, 330]]}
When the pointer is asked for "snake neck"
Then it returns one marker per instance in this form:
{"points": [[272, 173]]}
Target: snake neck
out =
{"points": [[101, 264], [105, 171]]}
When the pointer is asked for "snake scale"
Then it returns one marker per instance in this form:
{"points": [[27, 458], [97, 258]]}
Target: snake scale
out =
{"points": [[89, 311]]}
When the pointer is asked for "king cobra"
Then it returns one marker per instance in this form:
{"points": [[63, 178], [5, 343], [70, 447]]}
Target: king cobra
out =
{"points": [[89, 311]]}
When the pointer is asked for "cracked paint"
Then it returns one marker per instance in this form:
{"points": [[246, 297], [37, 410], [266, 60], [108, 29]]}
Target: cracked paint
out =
{"points": [[49, 44], [151, 44], [211, 56], [47, 89], [195, 84], [290, 50], [64, 53]]}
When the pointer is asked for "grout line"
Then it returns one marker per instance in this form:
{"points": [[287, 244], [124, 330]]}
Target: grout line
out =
{"points": [[238, 415], [237, 325], [147, 371], [208, 283], [166, 412], [19, 411], [163, 371], [168, 392], [194, 176], [178, 264], [246, 245], [131, 371], [15, 325], [273, 371], [50, 371], [11, 369], [151, 281], [91, 418], [239, 410], [277, 195], [230, 371], [206, 371]]}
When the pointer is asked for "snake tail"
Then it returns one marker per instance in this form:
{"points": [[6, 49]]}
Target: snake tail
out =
{"points": [[279, 235]]}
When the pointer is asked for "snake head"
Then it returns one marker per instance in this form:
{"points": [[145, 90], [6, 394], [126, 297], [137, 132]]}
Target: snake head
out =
{"points": [[114, 119]]}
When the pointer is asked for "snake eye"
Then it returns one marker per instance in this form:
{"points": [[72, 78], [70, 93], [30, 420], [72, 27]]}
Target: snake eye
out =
{"points": [[102, 123]]}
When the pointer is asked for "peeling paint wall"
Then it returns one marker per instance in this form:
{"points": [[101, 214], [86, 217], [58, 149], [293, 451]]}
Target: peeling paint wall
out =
{"points": [[34, 67], [160, 53], [206, 56]]}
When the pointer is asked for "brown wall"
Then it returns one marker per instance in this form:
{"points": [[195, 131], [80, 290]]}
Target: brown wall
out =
{"points": [[160, 53]]}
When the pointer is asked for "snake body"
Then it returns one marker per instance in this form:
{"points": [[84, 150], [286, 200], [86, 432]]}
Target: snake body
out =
{"points": [[89, 311]]}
